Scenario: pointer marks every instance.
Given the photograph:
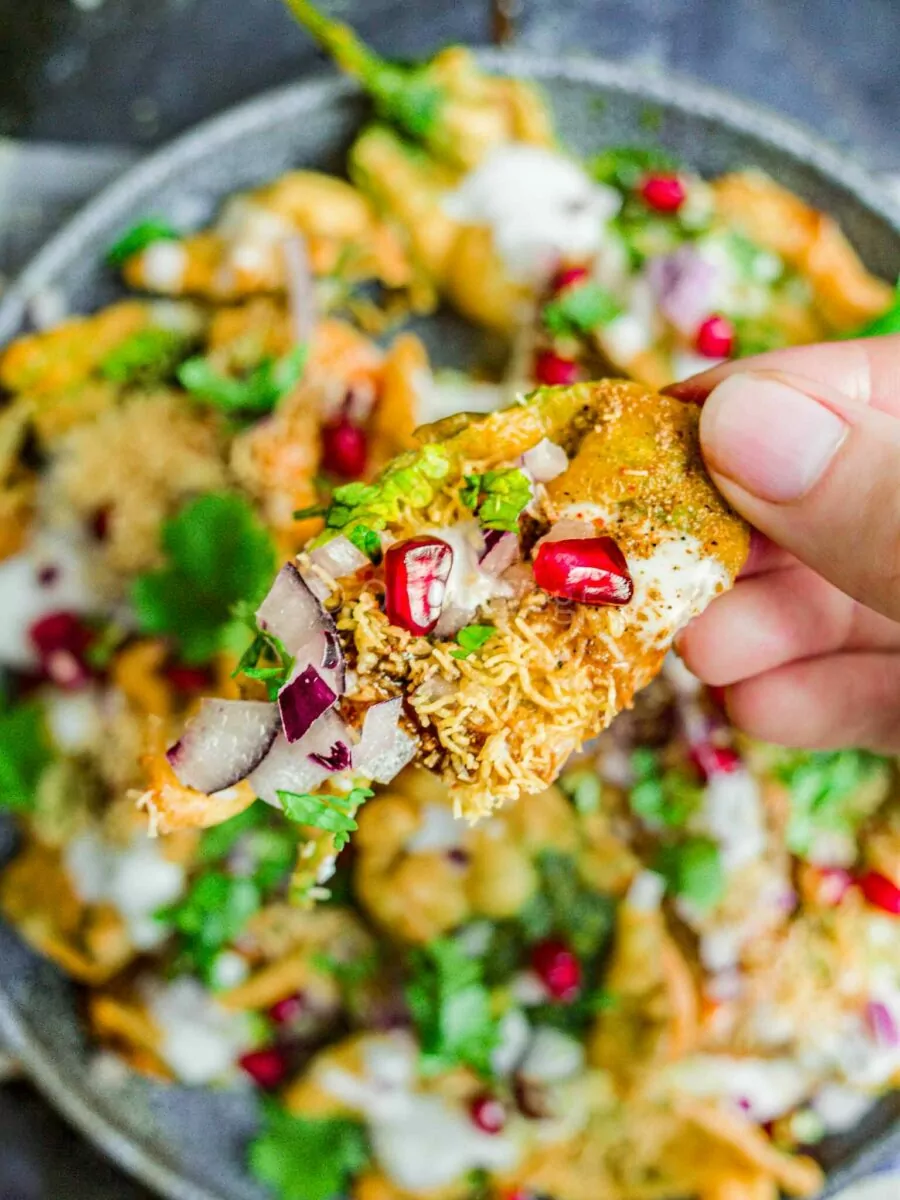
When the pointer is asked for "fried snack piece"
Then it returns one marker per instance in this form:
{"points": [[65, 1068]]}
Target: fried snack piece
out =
{"points": [[506, 653], [500, 722], [809, 241], [243, 253]]}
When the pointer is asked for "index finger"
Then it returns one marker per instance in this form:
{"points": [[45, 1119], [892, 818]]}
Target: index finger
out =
{"points": [[866, 370]]}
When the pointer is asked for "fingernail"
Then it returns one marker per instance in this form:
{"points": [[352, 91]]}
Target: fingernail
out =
{"points": [[772, 439]]}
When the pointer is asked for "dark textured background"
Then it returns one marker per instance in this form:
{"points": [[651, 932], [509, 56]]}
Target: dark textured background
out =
{"points": [[135, 72]]}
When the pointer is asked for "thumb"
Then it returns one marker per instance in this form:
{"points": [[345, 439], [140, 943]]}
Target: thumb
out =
{"points": [[816, 472]]}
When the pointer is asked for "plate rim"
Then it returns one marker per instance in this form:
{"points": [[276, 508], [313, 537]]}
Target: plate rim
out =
{"points": [[67, 1091]]}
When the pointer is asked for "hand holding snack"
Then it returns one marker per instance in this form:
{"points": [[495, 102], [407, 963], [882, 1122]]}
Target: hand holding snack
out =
{"points": [[805, 443]]}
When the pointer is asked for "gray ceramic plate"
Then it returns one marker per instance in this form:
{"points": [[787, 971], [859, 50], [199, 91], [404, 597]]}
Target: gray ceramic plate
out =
{"points": [[187, 1144]]}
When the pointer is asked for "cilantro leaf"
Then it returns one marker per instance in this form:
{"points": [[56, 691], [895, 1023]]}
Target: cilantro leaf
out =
{"points": [[25, 751], [334, 814], [830, 792], [254, 395], [266, 658], [409, 482], [211, 915], [661, 797], [138, 238], [886, 322], [584, 788], [366, 540], [580, 310], [218, 554], [472, 638], [582, 915], [498, 497], [451, 1008], [624, 167], [148, 356], [308, 1158], [693, 870]]}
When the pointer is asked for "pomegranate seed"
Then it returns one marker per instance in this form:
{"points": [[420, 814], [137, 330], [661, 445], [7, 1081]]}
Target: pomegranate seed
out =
{"points": [[557, 968], [345, 448], [715, 338], [880, 892], [267, 1068], [415, 576], [288, 1010], [61, 640], [663, 193], [590, 570], [832, 885], [187, 679], [553, 371], [488, 1113], [714, 760], [567, 277]]}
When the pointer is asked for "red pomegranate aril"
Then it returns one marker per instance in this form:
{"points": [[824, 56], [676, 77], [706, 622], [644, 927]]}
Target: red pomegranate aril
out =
{"points": [[345, 448], [715, 338], [488, 1113], [567, 277], [553, 371], [558, 969], [880, 892], [588, 570], [267, 1068], [715, 760], [288, 1010], [415, 578], [188, 679], [663, 193], [61, 640]]}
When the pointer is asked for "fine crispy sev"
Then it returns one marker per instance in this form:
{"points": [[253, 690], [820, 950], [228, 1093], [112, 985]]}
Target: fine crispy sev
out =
{"points": [[500, 724]]}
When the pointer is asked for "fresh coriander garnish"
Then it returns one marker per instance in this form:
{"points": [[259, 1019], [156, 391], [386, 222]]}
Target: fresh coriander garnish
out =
{"points": [[451, 1008], [498, 497], [254, 395], [212, 914], [886, 322], [334, 814], [266, 659], [831, 792], [361, 510], [138, 238], [472, 638], [217, 555], [25, 752], [584, 788], [661, 797], [147, 357], [624, 167], [693, 871], [579, 310], [308, 1158]]}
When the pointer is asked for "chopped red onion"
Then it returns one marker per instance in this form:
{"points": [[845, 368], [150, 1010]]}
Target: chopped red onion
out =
{"points": [[333, 656], [882, 1026], [683, 283], [302, 700], [384, 749], [500, 552], [291, 612], [545, 461], [223, 743], [300, 289], [338, 758], [287, 768], [338, 557]]}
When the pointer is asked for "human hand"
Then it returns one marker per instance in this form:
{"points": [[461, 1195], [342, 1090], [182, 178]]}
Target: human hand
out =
{"points": [[805, 444]]}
